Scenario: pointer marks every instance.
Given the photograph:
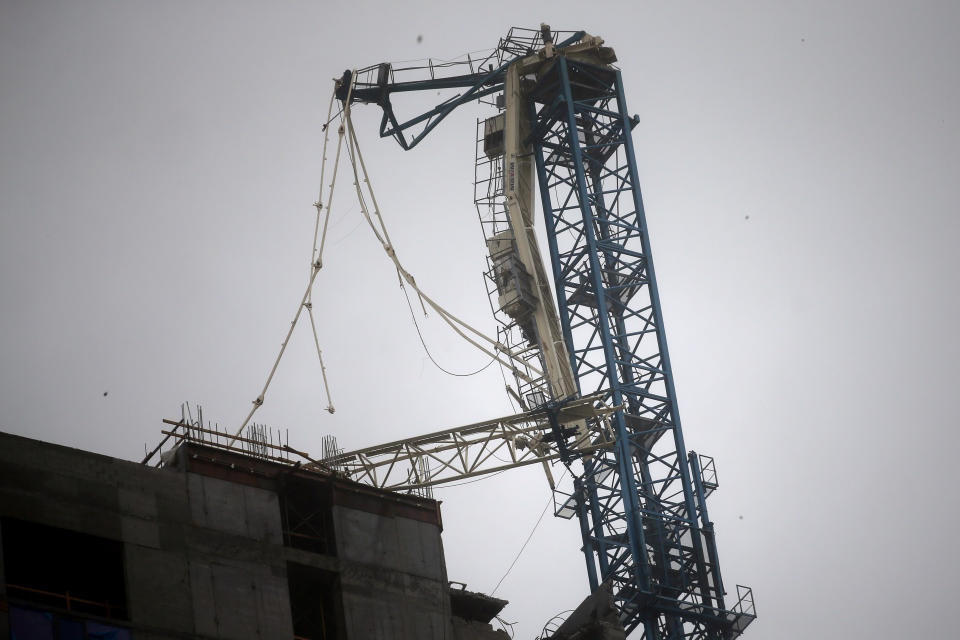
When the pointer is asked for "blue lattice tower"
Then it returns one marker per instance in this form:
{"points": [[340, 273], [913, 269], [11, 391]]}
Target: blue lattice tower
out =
{"points": [[641, 505]]}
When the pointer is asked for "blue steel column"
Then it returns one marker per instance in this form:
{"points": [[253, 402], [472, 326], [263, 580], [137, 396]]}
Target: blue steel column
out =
{"points": [[589, 544], [641, 522], [655, 300], [595, 553], [661, 334], [707, 525], [628, 482]]}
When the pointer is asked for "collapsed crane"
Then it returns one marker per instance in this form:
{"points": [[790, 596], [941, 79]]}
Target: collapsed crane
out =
{"points": [[594, 376]]}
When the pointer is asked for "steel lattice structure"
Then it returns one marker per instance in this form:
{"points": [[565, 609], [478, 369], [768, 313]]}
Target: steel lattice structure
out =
{"points": [[641, 503], [472, 450]]}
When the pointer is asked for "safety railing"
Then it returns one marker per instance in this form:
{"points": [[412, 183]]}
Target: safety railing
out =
{"points": [[70, 602]]}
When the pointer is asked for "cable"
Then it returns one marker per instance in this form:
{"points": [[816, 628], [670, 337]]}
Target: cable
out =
{"points": [[316, 263], [348, 233], [329, 120], [527, 541], [458, 325], [413, 316], [519, 553], [460, 484], [323, 367]]}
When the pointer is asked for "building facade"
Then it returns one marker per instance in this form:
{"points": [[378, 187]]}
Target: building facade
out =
{"points": [[218, 544]]}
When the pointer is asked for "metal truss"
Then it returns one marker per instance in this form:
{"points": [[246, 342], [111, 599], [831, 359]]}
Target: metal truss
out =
{"points": [[479, 76], [538, 436], [641, 497], [641, 504]]}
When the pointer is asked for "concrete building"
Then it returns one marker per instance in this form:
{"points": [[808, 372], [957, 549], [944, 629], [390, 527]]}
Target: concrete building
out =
{"points": [[217, 543]]}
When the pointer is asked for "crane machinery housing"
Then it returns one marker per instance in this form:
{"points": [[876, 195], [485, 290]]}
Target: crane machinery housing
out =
{"points": [[589, 353]]}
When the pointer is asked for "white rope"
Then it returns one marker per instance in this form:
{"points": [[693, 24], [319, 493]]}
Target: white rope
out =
{"points": [[458, 325], [323, 368], [316, 256], [333, 182], [258, 401], [323, 168], [316, 263]]}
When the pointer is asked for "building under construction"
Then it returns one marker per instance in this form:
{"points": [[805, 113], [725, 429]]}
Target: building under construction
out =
{"points": [[217, 542]]}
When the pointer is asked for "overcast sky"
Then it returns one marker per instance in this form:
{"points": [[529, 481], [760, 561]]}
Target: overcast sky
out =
{"points": [[800, 169]]}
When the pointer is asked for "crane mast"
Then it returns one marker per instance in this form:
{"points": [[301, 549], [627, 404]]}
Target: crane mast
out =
{"points": [[639, 495]]}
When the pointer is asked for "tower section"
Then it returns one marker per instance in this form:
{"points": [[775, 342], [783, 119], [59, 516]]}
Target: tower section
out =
{"points": [[641, 504]]}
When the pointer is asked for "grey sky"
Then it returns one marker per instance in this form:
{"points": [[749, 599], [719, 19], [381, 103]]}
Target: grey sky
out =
{"points": [[800, 168]]}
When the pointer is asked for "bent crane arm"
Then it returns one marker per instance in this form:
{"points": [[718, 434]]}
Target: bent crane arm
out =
{"points": [[480, 76]]}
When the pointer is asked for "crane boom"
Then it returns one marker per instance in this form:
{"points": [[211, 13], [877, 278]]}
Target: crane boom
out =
{"points": [[641, 501], [476, 449]]}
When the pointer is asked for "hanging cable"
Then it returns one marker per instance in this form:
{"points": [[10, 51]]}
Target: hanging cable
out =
{"points": [[315, 266], [323, 368], [337, 241], [527, 541], [258, 401], [316, 256], [480, 479], [323, 168], [416, 325], [316, 263], [330, 119], [458, 325]]}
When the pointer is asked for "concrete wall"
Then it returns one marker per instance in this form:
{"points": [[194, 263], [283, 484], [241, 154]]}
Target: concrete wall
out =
{"points": [[203, 556], [204, 550], [393, 577]]}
